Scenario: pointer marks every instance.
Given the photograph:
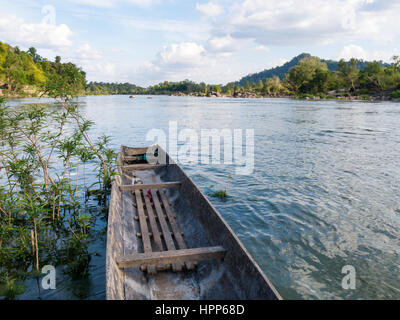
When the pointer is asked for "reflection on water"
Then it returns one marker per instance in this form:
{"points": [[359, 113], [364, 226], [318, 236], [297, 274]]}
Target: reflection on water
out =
{"points": [[325, 192]]}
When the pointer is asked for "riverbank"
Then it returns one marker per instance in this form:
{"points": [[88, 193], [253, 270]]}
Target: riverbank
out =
{"points": [[380, 96]]}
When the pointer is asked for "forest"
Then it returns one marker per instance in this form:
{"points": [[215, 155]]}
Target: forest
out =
{"points": [[305, 77], [99, 88], [28, 74], [282, 70]]}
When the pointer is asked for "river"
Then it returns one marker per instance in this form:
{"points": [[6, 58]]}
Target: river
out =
{"points": [[325, 191]]}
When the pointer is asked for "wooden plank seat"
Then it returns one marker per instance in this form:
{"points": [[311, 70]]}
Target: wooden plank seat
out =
{"points": [[150, 186], [132, 167], [139, 157], [163, 242], [173, 256]]}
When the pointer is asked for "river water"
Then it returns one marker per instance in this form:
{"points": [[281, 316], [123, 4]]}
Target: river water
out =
{"points": [[324, 194]]}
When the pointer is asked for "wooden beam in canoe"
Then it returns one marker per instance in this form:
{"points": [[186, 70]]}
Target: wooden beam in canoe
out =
{"points": [[171, 257], [161, 185], [133, 167], [153, 224], [144, 228], [176, 267], [131, 158], [175, 229]]}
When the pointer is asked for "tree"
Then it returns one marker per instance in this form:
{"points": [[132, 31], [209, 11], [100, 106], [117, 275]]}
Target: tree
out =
{"points": [[273, 85], [247, 86], [396, 63], [371, 79], [349, 73], [14, 74], [33, 53], [217, 88], [260, 86], [68, 83], [309, 76], [57, 64]]}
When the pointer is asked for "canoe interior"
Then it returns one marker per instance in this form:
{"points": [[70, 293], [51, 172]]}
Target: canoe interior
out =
{"points": [[237, 276]]}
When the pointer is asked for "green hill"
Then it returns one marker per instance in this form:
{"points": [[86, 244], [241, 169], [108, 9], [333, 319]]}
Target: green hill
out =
{"points": [[281, 71], [26, 73]]}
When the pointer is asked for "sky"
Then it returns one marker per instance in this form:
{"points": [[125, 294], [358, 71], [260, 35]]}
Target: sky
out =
{"points": [[146, 42]]}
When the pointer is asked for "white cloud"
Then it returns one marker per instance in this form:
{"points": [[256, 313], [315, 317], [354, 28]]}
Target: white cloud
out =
{"points": [[96, 3], [114, 3], [16, 30], [262, 48], [142, 3], [209, 9], [300, 22], [355, 51], [185, 60], [223, 44], [86, 52], [182, 55], [169, 27], [101, 71]]}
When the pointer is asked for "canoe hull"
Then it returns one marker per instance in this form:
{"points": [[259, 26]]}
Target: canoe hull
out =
{"points": [[236, 277]]}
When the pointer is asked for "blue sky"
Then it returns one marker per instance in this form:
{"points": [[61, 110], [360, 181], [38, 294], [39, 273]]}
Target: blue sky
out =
{"points": [[149, 41]]}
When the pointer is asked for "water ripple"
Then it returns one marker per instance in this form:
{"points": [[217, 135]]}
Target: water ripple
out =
{"points": [[325, 192]]}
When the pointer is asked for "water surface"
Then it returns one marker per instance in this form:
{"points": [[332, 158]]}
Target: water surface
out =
{"points": [[325, 191]]}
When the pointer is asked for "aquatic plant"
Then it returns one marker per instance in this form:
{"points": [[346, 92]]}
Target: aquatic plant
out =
{"points": [[10, 288], [219, 194], [43, 216]]}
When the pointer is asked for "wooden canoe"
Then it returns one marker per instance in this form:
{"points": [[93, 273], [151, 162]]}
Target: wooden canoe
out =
{"points": [[165, 240]]}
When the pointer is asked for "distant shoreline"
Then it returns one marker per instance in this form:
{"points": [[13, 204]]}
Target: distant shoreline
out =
{"points": [[371, 98]]}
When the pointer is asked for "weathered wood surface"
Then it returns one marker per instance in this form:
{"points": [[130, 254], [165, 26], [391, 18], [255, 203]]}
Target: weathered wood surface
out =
{"points": [[245, 271], [135, 283], [173, 184], [171, 256], [127, 151], [176, 267], [153, 224], [175, 229], [114, 276], [145, 234], [131, 167], [132, 158], [236, 277]]}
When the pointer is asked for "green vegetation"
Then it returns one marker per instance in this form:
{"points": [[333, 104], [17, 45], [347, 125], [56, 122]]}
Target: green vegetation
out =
{"points": [[281, 71], [309, 78], [185, 86], [44, 217], [396, 94], [312, 76], [222, 194], [28, 74], [99, 88]]}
